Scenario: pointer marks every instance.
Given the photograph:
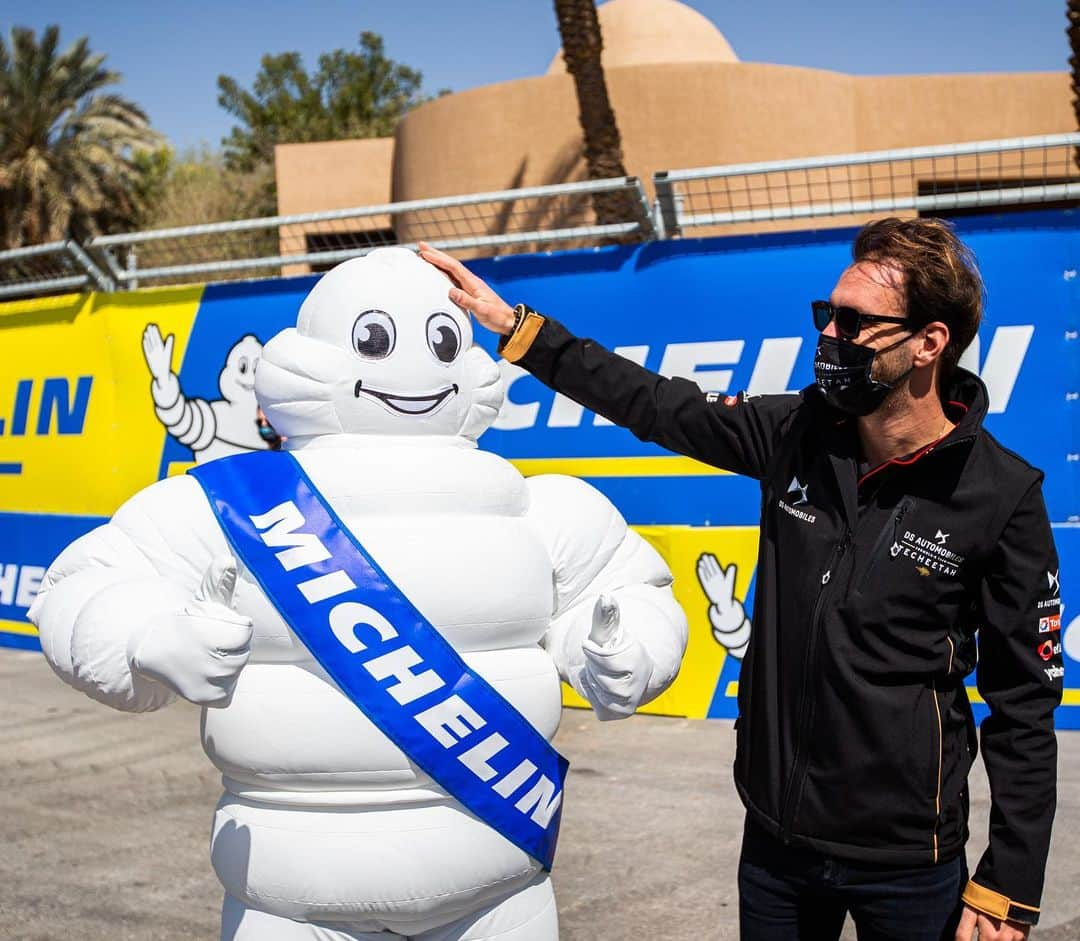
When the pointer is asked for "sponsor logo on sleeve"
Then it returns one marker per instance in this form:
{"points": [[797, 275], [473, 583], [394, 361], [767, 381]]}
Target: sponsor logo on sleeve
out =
{"points": [[1047, 650], [1054, 673], [1054, 587], [1050, 624]]}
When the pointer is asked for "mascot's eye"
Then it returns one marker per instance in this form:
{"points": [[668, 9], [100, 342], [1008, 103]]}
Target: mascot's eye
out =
{"points": [[374, 334], [243, 365], [443, 337]]}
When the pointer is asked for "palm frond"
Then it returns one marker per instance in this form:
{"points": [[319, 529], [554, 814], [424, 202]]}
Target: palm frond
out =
{"points": [[67, 140]]}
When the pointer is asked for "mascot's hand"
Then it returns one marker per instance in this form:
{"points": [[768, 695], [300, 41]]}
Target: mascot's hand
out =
{"points": [[617, 668], [158, 353], [199, 651]]}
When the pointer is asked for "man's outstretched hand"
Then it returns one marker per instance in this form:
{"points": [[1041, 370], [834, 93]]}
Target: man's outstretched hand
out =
{"points": [[471, 294]]}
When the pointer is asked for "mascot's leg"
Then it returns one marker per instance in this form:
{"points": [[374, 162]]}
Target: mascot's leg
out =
{"points": [[527, 915], [240, 923]]}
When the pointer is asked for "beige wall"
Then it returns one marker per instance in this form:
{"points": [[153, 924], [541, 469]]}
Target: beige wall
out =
{"points": [[331, 175], [906, 111], [674, 115], [671, 116]]}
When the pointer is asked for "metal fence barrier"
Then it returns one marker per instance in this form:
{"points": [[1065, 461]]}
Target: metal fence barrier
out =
{"points": [[507, 221], [954, 179], [50, 269]]}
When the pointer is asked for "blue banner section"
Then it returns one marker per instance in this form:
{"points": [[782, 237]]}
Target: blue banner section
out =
{"points": [[364, 631], [28, 544], [734, 314]]}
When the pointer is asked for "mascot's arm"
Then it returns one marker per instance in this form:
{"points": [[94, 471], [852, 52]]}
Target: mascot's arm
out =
{"points": [[104, 592], [617, 635]]}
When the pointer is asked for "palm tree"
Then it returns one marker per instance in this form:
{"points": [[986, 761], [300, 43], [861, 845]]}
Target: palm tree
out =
{"points": [[582, 45], [67, 150], [1073, 30]]}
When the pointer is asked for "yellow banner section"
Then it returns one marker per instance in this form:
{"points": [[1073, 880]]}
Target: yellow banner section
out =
{"points": [[18, 627], [617, 467], [713, 568], [78, 434]]}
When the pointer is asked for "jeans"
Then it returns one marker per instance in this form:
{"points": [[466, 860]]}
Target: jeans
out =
{"points": [[789, 893]]}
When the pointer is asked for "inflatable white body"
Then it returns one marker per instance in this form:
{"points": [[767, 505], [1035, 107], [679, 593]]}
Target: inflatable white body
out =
{"points": [[326, 830]]}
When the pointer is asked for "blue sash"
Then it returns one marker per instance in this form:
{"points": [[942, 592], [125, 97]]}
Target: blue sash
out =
{"points": [[383, 653]]}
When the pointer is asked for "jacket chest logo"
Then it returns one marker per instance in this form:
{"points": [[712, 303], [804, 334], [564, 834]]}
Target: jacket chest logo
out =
{"points": [[796, 497], [929, 554]]}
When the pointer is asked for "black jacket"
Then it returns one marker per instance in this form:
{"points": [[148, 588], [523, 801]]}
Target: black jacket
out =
{"points": [[855, 735]]}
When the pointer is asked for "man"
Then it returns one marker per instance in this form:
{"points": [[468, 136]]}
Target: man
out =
{"points": [[893, 529]]}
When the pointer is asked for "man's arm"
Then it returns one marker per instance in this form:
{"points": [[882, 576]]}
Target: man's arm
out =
{"points": [[1020, 677], [734, 432]]}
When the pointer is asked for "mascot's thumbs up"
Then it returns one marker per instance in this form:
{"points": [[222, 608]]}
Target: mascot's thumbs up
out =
{"points": [[199, 651], [617, 668]]}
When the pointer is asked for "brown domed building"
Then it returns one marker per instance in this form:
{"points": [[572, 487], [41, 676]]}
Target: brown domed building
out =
{"points": [[682, 98]]}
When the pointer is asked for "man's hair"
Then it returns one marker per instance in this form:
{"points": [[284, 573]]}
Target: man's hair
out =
{"points": [[941, 278]]}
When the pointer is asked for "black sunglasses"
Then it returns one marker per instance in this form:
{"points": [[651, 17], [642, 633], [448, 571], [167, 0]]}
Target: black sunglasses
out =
{"points": [[849, 321]]}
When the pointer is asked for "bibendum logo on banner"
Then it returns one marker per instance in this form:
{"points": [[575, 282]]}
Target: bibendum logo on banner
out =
{"points": [[211, 428]]}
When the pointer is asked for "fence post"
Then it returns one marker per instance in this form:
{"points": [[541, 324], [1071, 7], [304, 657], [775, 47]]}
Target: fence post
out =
{"points": [[667, 207], [132, 265], [647, 221], [102, 280]]}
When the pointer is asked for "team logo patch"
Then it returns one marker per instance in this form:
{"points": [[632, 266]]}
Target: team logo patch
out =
{"points": [[929, 555], [1049, 624]]}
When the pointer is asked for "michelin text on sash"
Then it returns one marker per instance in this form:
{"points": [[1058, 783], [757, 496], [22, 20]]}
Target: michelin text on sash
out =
{"points": [[383, 655]]}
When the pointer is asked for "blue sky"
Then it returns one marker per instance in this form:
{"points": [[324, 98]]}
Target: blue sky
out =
{"points": [[170, 54]]}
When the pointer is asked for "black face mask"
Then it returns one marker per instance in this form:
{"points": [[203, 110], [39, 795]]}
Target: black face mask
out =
{"points": [[843, 373]]}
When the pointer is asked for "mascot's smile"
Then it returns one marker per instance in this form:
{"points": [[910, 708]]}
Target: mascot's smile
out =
{"points": [[408, 404]]}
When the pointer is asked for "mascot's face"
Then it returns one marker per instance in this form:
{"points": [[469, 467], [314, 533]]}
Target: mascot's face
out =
{"points": [[379, 349]]}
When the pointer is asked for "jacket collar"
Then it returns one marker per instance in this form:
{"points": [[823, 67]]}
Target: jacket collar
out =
{"points": [[966, 404], [966, 393]]}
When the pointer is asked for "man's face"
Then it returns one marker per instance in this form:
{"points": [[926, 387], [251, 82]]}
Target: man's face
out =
{"points": [[874, 288]]}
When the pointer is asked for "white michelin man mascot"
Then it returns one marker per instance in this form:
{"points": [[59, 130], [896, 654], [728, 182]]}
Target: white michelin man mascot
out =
{"points": [[376, 621]]}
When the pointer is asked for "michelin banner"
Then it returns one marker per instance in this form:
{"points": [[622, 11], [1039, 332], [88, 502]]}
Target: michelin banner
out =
{"points": [[102, 394]]}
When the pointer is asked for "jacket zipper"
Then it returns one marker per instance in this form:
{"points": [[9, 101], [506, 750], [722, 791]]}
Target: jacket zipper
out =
{"points": [[941, 749], [901, 511], [940, 761], [806, 704]]}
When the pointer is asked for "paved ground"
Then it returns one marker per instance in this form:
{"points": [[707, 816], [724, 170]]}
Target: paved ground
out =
{"points": [[104, 824]]}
